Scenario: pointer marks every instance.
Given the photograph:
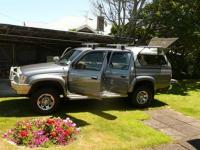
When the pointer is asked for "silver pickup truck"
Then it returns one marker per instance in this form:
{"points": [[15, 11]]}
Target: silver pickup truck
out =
{"points": [[133, 72]]}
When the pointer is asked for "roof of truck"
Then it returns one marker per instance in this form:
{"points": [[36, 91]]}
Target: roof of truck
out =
{"points": [[100, 49], [134, 49]]}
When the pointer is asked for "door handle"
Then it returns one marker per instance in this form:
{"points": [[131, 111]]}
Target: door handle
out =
{"points": [[94, 77], [123, 76]]}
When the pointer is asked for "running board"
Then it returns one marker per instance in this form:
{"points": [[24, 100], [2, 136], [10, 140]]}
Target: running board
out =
{"points": [[72, 96], [107, 94], [104, 94]]}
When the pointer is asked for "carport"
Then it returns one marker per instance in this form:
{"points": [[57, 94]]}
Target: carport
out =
{"points": [[21, 45]]}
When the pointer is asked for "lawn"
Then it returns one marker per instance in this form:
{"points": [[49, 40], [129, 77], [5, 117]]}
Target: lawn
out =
{"points": [[108, 124], [183, 97]]}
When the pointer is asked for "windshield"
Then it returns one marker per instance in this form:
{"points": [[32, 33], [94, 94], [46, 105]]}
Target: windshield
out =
{"points": [[69, 56]]}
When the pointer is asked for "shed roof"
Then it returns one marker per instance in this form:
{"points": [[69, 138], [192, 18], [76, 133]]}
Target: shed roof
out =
{"points": [[85, 28], [14, 33]]}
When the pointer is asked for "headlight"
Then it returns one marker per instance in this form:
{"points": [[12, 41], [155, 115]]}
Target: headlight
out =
{"points": [[22, 79]]}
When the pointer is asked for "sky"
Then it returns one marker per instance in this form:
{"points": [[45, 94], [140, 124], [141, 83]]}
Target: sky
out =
{"points": [[52, 14]]}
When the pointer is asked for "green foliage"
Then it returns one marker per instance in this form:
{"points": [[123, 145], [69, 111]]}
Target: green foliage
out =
{"points": [[72, 30], [114, 30], [175, 18]]}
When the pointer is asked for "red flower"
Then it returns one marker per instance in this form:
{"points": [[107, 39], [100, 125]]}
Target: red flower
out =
{"points": [[50, 121], [66, 133], [53, 133], [23, 133]]}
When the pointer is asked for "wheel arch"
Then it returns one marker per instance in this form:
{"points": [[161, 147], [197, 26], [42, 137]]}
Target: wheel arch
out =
{"points": [[143, 81], [47, 84]]}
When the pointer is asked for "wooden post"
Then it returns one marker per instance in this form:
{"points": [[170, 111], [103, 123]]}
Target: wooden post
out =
{"points": [[13, 54]]}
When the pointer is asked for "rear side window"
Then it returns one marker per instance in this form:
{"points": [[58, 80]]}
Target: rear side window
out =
{"points": [[120, 60], [153, 60]]}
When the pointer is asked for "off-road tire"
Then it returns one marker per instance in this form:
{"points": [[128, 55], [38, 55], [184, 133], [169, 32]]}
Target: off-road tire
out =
{"points": [[42, 91], [135, 94]]}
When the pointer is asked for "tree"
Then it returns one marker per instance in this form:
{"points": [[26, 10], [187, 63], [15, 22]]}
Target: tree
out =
{"points": [[175, 18], [72, 30], [120, 13], [135, 8]]}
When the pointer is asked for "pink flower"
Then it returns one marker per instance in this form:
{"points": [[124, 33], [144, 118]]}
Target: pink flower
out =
{"points": [[41, 132]]}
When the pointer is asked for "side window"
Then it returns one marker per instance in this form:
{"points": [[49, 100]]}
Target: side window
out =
{"points": [[120, 60], [153, 60], [91, 61]]}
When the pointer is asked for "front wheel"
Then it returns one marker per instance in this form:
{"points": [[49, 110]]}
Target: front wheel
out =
{"points": [[142, 96], [45, 100]]}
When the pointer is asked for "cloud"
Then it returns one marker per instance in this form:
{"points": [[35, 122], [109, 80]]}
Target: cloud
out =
{"points": [[69, 22]]}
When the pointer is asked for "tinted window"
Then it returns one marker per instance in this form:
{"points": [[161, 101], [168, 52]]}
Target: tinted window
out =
{"points": [[157, 60], [120, 60], [91, 61]]}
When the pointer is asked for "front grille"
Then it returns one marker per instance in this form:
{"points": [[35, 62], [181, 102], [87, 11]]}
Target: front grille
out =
{"points": [[16, 79]]}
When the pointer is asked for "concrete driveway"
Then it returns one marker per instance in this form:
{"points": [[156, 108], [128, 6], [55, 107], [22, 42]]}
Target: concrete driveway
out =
{"points": [[5, 89]]}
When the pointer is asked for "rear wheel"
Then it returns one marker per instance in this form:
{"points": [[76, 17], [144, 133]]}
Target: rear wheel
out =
{"points": [[45, 100], [142, 96]]}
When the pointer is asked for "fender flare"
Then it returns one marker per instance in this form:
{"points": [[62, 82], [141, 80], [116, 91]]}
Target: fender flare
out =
{"points": [[45, 78], [141, 79]]}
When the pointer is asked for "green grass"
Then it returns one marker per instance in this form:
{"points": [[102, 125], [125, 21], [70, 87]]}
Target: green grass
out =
{"points": [[183, 97], [105, 125]]}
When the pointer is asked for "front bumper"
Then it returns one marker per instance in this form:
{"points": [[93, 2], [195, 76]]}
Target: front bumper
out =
{"points": [[21, 89]]}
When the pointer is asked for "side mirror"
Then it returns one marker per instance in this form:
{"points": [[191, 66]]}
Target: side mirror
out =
{"points": [[55, 58]]}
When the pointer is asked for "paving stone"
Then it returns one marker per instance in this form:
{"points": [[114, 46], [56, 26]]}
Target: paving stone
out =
{"points": [[187, 130], [149, 149], [172, 114], [155, 124], [185, 119], [184, 129], [195, 124], [170, 147], [193, 137], [165, 118], [189, 146], [176, 135], [168, 112], [168, 120]]}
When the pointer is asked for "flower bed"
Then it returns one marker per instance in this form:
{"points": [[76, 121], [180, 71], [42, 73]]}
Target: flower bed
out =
{"points": [[38, 132]]}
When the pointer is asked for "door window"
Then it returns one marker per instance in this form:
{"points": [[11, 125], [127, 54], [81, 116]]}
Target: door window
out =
{"points": [[120, 60], [91, 61]]}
